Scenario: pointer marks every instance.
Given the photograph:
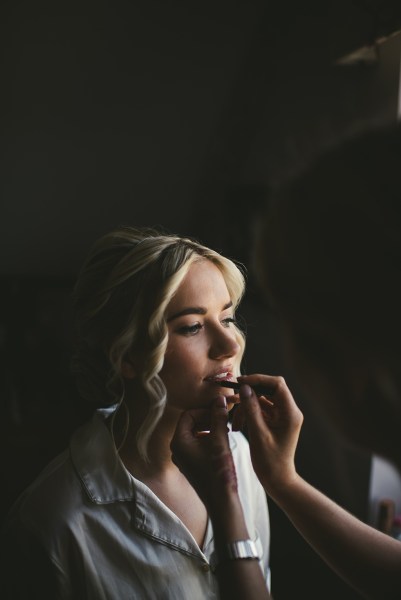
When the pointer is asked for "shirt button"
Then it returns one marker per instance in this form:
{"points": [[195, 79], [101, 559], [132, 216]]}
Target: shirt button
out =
{"points": [[205, 568]]}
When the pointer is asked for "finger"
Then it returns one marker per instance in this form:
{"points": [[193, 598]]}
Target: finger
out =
{"points": [[219, 403], [257, 379], [281, 396], [219, 419], [252, 410], [189, 423], [220, 453], [265, 401], [185, 427], [233, 399], [200, 418], [238, 420]]}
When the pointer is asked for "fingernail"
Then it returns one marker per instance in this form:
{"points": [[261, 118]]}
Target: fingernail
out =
{"points": [[245, 391], [221, 402]]}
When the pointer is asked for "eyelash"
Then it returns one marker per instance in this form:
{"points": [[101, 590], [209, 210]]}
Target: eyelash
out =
{"points": [[194, 329], [228, 321]]}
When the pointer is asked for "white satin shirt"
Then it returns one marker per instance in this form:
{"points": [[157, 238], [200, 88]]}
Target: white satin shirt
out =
{"points": [[87, 529]]}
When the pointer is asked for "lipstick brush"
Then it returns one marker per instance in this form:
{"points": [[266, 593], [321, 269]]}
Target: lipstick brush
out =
{"points": [[258, 389]]}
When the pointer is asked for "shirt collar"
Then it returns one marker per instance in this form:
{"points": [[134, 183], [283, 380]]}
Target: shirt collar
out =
{"points": [[106, 480], [98, 464]]}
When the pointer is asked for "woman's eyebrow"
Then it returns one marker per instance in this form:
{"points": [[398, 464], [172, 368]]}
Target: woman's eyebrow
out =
{"points": [[191, 310], [195, 310]]}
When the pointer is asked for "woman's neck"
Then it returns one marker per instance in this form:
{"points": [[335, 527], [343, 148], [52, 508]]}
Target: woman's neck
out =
{"points": [[160, 463], [159, 473]]}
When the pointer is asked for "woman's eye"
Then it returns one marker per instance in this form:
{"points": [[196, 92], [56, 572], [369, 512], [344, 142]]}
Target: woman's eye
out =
{"points": [[228, 321], [190, 329]]}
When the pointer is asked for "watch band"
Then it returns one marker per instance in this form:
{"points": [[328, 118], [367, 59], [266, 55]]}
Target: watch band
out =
{"points": [[241, 549]]}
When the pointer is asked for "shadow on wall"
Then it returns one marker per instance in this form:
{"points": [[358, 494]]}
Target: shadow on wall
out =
{"points": [[39, 404]]}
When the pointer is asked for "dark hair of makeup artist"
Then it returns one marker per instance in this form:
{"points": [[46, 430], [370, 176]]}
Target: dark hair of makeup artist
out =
{"points": [[329, 258]]}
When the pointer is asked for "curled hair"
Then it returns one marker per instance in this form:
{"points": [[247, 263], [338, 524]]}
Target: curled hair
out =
{"points": [[121, 296]]}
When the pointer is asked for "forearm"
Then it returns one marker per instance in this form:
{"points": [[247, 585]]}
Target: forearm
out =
{"points": [[367, 559], [239, 579]]}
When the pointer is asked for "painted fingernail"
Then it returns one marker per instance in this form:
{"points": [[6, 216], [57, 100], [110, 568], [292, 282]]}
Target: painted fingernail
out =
{"points": [[221, 402], [245, 391]]}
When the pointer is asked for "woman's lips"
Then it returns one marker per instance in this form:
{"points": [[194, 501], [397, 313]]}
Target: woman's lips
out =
{"points": [[220, 377]]}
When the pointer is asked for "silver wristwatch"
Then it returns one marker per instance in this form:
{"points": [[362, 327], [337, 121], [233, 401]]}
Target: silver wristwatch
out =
{"points": [[242, 549]]}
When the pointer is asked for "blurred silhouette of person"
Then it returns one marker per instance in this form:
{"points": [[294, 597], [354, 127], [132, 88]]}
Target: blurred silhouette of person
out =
{"points": [[328, 257]]}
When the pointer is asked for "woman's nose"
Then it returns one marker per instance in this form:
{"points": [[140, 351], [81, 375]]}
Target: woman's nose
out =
{"points": [[224, 343]]}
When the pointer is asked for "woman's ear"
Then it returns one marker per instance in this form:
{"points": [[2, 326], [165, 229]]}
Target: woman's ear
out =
{"points": [[128, 370]]}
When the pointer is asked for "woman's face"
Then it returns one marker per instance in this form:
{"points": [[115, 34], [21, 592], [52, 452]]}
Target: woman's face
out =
{"points": [[202, 346]]}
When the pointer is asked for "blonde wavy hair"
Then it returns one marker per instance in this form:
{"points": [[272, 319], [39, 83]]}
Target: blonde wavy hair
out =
{"points": [[121, 296]]}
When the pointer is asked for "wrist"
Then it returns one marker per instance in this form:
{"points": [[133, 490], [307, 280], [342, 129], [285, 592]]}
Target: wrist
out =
{"points": [[284, 488], [244, 549], [228, 520]]}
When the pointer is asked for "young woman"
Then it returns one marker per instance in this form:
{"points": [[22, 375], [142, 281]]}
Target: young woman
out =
{"points": [[113, 517]]}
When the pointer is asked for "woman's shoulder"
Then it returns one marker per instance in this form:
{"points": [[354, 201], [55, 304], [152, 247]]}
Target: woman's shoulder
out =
{"points": [[86, 474], [52, 499]]}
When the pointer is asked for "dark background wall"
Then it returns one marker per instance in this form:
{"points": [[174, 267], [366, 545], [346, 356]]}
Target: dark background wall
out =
{"points": [[179, 114], [140, 111]]}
